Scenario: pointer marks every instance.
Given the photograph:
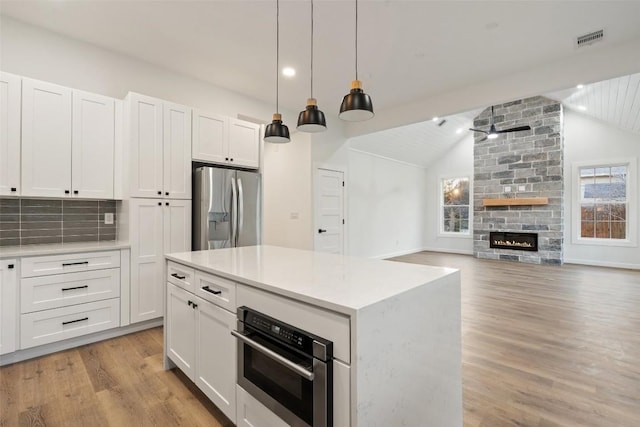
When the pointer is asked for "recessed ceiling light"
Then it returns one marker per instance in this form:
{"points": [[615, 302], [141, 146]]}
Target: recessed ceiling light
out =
{"points": [[582, 108], [580, 86], [288, 71], [459, 130], [435, 119]]}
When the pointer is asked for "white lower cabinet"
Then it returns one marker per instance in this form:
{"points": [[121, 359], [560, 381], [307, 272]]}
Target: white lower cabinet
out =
{"points": [[8, 305], [200, 343], [251, 413]]}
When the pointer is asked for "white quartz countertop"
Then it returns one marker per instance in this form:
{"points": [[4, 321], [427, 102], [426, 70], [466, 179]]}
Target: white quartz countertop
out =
{"points": [[60, 248], [337, 282]]}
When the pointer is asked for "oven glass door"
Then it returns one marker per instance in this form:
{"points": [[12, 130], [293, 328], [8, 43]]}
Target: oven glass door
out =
{"points": [[285, 386]]}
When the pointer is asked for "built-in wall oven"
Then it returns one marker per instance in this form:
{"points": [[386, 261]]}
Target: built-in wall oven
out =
{"points": [[288, 370]]}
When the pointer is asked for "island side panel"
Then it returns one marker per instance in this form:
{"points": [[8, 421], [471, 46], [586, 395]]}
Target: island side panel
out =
{"points": [[408, 358]]}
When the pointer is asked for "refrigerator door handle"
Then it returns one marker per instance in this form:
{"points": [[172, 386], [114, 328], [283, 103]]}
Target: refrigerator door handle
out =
{"points": [[234, 213], [240, 211]]}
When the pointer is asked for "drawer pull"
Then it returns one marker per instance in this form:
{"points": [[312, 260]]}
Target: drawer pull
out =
{"points": [[75, 287], [66, 264], [177, 276], [75, 321], [208, 289]]}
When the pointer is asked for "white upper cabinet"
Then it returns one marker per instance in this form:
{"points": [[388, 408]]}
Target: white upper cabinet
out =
{"points": [[145, 133], [46, 139], [93, 139], [10, 95], [244, 143], [68, 142], [160, 148], [177, 151], [221, 139]]}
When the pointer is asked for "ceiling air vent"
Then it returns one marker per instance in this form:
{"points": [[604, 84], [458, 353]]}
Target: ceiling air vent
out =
{"points": [[590, 38]]}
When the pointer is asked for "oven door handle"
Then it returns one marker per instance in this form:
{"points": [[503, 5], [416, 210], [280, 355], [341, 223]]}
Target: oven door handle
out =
{"points": [[275, 356]]}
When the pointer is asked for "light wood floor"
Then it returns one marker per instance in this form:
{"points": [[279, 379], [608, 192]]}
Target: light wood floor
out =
{"points": [[542, 346]]}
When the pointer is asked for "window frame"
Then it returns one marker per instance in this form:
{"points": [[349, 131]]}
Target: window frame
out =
{"points": [[631, 196], [457, 234]]}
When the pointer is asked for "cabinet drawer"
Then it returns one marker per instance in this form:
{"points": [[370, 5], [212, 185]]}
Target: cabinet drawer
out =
{"points": [[181, 276], [220, 291], [44, 327], [69, 263], [60, 290]]}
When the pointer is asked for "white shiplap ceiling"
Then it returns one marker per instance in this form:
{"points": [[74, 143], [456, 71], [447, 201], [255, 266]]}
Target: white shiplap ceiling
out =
{"points": [[615, 101]]}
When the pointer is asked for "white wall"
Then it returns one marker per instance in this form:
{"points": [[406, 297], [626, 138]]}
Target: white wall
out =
{"points": [[588, 140], [458, 161], [386, 206], [33, 52]]}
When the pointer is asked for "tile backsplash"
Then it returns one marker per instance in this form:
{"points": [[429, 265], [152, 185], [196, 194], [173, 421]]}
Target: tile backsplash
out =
{"points": [[38, 221]]}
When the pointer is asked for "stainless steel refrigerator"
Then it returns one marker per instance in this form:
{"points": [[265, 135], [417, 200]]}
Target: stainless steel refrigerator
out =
{"points": [[226, 208]]}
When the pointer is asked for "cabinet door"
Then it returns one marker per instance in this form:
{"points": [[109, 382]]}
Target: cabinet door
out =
{"points": [[210, 137], [10, 94], [181, 328], [216, 356], [93, 144], [46, 139], [177, 226], [177, 151], [147, 284], [145, 140], [8, 305], [244, 143], [251, 413]]}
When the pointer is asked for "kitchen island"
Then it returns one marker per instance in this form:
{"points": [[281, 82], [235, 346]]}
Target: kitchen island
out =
{"points": [[395, 329]]}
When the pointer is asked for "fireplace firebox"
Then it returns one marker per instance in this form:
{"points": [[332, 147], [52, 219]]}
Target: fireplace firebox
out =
{"points": [[515, 241]]}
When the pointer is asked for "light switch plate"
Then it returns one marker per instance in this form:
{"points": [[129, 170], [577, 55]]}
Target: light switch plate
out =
{"points": [[507, 189], [521, 188], [108, 218]]}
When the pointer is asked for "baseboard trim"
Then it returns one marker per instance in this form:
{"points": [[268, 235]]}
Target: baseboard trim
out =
{"points": [[603, 264], [399, 253], [450, 251], [30, 353]]}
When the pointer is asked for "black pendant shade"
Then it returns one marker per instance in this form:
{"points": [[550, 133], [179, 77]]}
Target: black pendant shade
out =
{"points": [[356, 105], [276, 131], [311, 119]]}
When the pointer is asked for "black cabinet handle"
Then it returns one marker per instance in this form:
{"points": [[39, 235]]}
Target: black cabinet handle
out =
{"points": [[75, 191], [75, 321], [10, 266], [159, 203], [167, 204], [67, 192], [231, 159], [166, 194], [75, 287], [194, 305], [14, 189], [226, 158], [66, 264], [320, 231], [208, 289], [160, 193], [189, 303], [177, 276]]}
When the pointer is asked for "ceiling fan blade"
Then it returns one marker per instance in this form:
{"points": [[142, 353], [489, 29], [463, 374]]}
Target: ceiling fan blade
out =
{"points": [[516, 129], [483, 139], [479, 130]]}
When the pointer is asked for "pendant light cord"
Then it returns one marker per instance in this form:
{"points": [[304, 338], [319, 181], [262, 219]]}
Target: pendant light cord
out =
{"points": [[277, 54], [356, 39], [311, 48]]}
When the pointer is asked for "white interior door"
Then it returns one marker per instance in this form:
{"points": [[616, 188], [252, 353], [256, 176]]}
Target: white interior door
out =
{"points": [[329, 211]]}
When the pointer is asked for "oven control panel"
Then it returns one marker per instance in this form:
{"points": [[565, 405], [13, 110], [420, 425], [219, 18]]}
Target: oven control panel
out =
{"points": [[279, 330]]}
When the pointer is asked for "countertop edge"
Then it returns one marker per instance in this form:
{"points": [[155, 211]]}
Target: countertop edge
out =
{"points": [[59, 249]]}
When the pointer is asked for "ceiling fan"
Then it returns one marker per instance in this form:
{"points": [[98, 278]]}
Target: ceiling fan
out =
{"points": [[493, 132]]}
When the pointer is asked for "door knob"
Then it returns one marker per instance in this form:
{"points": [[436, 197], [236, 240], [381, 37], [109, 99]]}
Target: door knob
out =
{"points": [[320, 230]]}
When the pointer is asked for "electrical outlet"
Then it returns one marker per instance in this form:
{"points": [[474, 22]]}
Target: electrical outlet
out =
{"points": [[294, 215], [507, 189], [521, 188], [108, 218]]}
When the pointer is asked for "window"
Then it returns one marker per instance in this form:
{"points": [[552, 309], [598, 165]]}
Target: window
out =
{"points": [[604, 202], [455, 205]]}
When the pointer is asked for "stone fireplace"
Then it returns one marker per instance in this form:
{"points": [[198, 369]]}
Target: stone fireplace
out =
{"points": [[518, 182]]}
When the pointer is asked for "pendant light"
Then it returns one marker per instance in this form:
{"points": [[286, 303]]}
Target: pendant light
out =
{"points": [[356, 105], [277, 131], [311, 119]]}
